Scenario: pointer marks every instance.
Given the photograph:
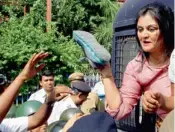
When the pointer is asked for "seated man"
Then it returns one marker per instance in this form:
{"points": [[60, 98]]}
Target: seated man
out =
{"points": [[81, 91], [8, 95]]}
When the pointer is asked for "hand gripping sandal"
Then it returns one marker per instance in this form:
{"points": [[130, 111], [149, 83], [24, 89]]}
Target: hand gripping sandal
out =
{"points": [[95, 53]]}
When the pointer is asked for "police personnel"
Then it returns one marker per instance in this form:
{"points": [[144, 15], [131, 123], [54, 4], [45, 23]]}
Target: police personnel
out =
{"points": [[92, 102]]}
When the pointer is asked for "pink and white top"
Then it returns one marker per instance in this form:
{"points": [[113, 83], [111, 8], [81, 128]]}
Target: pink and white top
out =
{"points": [[135, 82]]}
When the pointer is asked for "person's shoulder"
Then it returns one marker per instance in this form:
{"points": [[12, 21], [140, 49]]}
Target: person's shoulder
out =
{"points": [[135, 63], [37, 95], [41, 91], [98, 84], [173, 52], [13, 120], [137, 59], [173, 56]]}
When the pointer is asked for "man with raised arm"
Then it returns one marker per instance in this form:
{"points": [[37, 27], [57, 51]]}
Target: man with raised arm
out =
{"points": [[7, 97]]}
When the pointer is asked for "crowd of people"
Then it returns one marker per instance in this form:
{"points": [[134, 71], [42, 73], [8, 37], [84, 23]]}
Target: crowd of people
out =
{"points": [[150, 76]]}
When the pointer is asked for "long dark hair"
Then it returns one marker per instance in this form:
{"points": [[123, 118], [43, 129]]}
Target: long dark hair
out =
{"points": [[165, 19]]}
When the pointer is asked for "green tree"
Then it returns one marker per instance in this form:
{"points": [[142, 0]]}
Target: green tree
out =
{"points": [[19, 41], [22, 35], [104, 31]]}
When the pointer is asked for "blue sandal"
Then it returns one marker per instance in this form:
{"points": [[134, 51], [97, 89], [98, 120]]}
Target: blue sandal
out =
{"points": [[95, 53]]}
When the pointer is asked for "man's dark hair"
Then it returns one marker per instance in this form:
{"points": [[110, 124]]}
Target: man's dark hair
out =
{"points": [[46, 73]]}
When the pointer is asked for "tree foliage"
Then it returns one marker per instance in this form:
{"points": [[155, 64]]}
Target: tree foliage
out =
{"points": [[104, 31], [18, 42], [22, 36]]}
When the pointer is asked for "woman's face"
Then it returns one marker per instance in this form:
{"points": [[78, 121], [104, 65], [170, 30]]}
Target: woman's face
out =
{"points": [[149, 34]]}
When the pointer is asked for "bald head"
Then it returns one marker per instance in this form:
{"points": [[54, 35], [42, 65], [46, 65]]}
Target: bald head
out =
{"points": [[62, 88]]}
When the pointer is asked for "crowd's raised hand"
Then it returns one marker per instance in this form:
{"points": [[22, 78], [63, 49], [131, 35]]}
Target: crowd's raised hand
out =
{"points": [[30, 69]]}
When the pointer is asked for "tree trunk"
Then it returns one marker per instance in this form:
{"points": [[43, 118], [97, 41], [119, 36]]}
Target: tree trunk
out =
{"points": [[49, 14]]}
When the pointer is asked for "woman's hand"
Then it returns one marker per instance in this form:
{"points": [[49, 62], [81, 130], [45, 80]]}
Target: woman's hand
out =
{"points": [[106, 71], [152, 101]]}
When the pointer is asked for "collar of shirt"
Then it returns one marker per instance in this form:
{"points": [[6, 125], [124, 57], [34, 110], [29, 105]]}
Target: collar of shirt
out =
{"points": [[68, 102], [139, 58], [42, 92]]}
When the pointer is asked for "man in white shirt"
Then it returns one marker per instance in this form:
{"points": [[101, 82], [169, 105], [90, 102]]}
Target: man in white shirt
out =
{"points": [[99, 89], [47, 85], [7, 97], [81, 91]]}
